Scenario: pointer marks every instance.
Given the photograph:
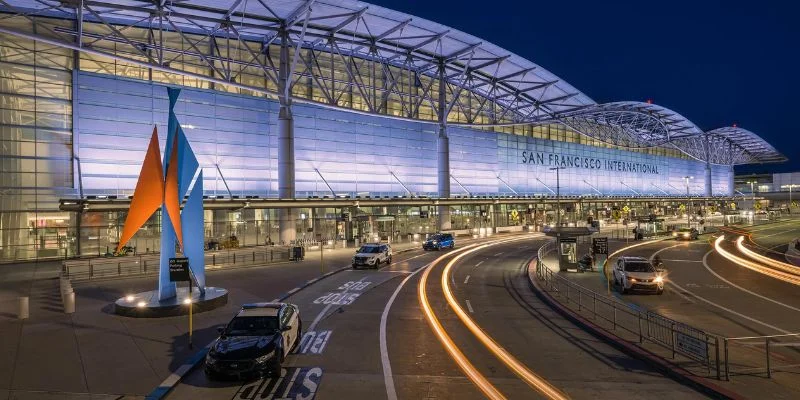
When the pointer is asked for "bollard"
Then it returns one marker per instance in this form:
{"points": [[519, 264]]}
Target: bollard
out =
{"points": [[69, 303], [23, 307]]}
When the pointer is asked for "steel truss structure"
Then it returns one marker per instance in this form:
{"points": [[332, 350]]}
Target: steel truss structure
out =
{"points": [[351, 55]]}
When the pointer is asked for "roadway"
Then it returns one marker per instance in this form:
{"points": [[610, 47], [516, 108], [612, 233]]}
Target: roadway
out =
{"points": [[722, 296], [367, 335]]}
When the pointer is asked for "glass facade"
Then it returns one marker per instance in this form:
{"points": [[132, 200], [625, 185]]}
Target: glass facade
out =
{"points": [[35, 148], [69, 132]]}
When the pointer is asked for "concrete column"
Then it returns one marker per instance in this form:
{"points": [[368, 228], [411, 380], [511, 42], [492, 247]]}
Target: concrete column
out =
{"points": [[708, 191], [286, 188], [444, 178], [443, 154], [730, 180]]}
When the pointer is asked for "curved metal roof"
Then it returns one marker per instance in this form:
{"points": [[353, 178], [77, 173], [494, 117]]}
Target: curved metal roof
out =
{"points": [[521, 91], [631, 124], [745, 147]]}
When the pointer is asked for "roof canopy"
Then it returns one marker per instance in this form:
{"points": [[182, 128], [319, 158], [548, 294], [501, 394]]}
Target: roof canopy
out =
{"points": [[399, 48]]}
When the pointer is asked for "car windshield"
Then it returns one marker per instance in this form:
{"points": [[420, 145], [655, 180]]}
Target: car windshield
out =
{"points": [[438, 237], [252, 326], [369, 249], [638, 266]]}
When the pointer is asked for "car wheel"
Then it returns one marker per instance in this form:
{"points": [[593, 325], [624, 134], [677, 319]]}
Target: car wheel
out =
{"points": [[660, 292], [389, 260]]}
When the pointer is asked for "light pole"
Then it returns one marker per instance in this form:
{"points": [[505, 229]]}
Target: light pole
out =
{"points": [[558, 196], [688, 210], [753, 192]]}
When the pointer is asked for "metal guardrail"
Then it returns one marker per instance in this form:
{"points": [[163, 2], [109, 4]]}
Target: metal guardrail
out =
{"points": [[676, 337], [776, 354], [142, 265]]}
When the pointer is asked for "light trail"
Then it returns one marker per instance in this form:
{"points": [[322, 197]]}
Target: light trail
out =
{"points": [[472, 373], [535, 381], [793, 279], [766, 260]]}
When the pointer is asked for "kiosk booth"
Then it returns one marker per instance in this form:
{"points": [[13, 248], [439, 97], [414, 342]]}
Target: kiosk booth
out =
{"points": [[567, 244]]}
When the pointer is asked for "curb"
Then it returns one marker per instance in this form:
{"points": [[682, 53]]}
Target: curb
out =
{"points": [[663, 366], [174, 378]]}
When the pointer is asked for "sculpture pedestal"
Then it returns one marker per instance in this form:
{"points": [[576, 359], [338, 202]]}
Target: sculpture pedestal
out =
{"points": [[147, 305]]}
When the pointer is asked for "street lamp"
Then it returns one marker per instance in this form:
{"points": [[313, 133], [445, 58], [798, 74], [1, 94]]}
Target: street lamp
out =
{"points": [[558, 196], [688, 210], [752, 191]]}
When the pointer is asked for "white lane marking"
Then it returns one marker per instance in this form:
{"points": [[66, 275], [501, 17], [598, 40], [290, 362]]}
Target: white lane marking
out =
{"points": [[775, 234], [697, 261], [728, 309], [289, 386], [466, 279], [403, 260], [705, 264], [469, 307], [479, 264], [388, 380], [498, 254], [325, 311]]}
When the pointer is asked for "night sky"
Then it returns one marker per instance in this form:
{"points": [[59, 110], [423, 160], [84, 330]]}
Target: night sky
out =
{"points": [[715, 62]]}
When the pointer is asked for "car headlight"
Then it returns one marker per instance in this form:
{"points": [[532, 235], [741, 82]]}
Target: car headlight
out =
{"points": [[265, 357], [435, 242], [674, 233], [210, 360], [630, 279], [659, 279], [685, 235]]}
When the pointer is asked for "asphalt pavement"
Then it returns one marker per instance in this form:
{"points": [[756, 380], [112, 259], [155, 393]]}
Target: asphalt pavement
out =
{"points": [[341, 354], [709, 292]]}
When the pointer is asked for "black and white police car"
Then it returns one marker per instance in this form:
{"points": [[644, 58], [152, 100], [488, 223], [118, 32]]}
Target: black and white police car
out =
{"points": [[255, 342]]}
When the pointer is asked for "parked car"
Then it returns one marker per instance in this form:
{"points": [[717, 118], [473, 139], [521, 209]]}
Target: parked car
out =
{"points": [[637, 274], [372, 255], [686, 234], [256, 341], [439, 241]]}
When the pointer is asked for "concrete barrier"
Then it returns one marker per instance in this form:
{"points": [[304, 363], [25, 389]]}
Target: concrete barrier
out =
{"points": [[24, 303], [69, 303], [793, 252]]}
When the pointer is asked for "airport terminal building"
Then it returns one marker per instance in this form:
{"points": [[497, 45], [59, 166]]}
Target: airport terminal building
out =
{"points": [[332, 119]]}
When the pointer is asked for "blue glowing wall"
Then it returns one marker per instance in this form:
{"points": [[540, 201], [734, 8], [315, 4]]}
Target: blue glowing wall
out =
{"points": [[235, 137]]}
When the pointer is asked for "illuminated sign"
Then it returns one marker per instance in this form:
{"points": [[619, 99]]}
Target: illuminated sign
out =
{"points": [[556, 160]]}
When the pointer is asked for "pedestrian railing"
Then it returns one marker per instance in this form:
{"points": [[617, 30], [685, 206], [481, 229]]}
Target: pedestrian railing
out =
{"points": [[124, 266], [762, 355], [677, 338]]}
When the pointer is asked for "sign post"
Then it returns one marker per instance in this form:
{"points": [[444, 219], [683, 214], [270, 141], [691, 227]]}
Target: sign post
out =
{"points": [[179, 272], [600, 250]]}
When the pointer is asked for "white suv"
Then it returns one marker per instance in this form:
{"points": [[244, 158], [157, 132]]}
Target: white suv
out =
{"points": [[637, 274], [372, 256]]}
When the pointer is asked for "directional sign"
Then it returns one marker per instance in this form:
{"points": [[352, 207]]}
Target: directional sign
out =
{"points": [[179, 269], [600, 245]]}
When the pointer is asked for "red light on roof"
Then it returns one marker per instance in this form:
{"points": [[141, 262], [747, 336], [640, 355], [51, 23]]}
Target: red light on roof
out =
{"points": [[734, 124], [649, 101]]}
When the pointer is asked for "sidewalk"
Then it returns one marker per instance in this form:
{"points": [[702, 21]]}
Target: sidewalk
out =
{"points": [[94, 354]]}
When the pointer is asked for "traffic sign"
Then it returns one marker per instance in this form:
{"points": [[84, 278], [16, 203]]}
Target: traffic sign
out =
{"points": [[179, 269]]}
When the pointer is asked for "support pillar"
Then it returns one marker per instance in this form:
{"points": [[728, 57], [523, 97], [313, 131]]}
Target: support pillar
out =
{"points": [[443, 145], [730, 181], [286, 188], [708, 191], [287, 229], [443, 153]]}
